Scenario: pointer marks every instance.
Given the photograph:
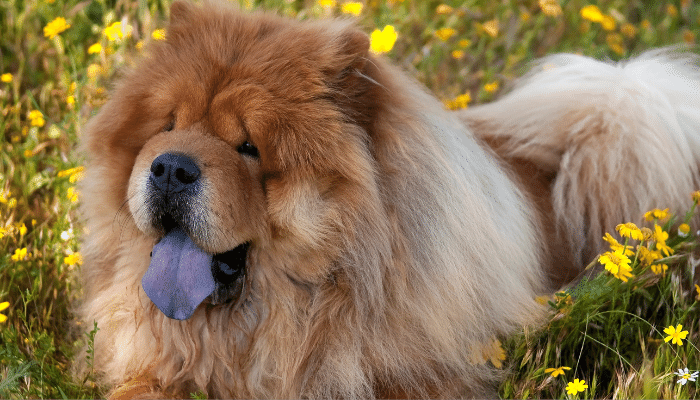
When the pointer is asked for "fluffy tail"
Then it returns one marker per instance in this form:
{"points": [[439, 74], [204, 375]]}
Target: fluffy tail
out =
{"points": [[620, 138]]}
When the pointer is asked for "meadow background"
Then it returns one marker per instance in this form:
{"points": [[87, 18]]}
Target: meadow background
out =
{"points": [[58, 57]]}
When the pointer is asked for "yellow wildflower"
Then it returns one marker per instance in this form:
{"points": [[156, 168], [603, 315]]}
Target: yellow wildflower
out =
{"points": [[21, 228], [73, 259], [3, 306], [659, 269], [20, 254], [563, 298], [696, 196], [459, 102], [675, 335], [628, 30], [671, 10], [592, 13], [491, 87], [464, 43], [443, 9], [608, 23], [55, 27], [645, 24], [550, 7], [72, 194], [95, 49], [352, 8], [94, 70], [525, 16], [7, 78], [697, 289], [660, 237], [158, 34], [617, 264], [116, 31], [629, 230], [656, 214], [326, 3], [491, 27], [624, 273], [614, 245], [445, 33], [36, 118], [556, 371], [544, 300], [73, 174], [457, 54], [649, 215], [383, 41], [576, 386], [647, 257], [683, 230]]}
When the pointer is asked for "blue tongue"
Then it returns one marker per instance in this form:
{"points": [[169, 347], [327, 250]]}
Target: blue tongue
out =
{"points": [[179, 277]]}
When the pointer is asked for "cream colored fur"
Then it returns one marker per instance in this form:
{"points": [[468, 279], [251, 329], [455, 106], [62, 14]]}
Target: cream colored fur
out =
{"points": [[430, 249], [623, 138]]}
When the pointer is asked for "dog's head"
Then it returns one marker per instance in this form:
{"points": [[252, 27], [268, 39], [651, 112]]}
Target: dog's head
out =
{"points": [[239, 140]]}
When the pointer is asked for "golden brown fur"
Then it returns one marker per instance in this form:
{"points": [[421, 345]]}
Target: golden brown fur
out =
{"points": [[388, 247]]}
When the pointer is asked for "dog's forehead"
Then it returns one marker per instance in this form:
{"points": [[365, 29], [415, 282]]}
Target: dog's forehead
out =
{"points": [[248, 41], [241, 74], [257, 77]]}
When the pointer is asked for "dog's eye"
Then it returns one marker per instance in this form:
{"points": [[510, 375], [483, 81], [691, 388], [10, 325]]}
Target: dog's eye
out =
{"points": [[169, 126], [249, 149]]}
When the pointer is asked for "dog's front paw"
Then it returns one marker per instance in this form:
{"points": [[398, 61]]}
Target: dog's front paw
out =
{"points": [[140, 387]]}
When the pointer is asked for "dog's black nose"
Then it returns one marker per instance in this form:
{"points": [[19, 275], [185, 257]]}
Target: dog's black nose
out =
{"points": [[173, 173]]}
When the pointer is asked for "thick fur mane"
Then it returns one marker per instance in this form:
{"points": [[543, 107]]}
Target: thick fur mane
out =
{"points": [[417, 227], [389, 244]]}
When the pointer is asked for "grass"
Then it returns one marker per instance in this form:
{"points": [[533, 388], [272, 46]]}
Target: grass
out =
{"points": [[610, 333]]}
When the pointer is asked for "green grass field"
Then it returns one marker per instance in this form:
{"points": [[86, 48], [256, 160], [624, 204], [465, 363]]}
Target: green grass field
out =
{"points": [[56, 73]]}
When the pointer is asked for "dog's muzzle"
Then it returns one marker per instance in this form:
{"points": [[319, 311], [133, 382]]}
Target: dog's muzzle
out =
{"points": [[181, 276]]}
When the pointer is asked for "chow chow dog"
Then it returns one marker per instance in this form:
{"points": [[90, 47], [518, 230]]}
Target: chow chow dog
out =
{"points": [[272, 211]]}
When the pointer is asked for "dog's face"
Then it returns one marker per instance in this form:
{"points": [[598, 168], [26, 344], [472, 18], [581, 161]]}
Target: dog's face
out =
{"points": [[231, 139]]}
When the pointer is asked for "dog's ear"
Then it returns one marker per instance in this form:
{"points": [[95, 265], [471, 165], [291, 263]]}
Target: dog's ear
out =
{"points": [[352, 76], [348, 53], [180, 10], [355, 45]]}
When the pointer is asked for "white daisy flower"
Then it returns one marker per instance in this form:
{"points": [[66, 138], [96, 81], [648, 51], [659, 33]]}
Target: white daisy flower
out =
{"points": [[67, 235], [686, 376]]}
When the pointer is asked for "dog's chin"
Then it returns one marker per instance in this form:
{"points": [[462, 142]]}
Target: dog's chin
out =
{"points": [[182, 275]]}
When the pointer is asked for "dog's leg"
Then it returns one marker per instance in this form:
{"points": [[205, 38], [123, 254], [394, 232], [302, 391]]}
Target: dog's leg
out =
{"points": [[140, 387]]}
